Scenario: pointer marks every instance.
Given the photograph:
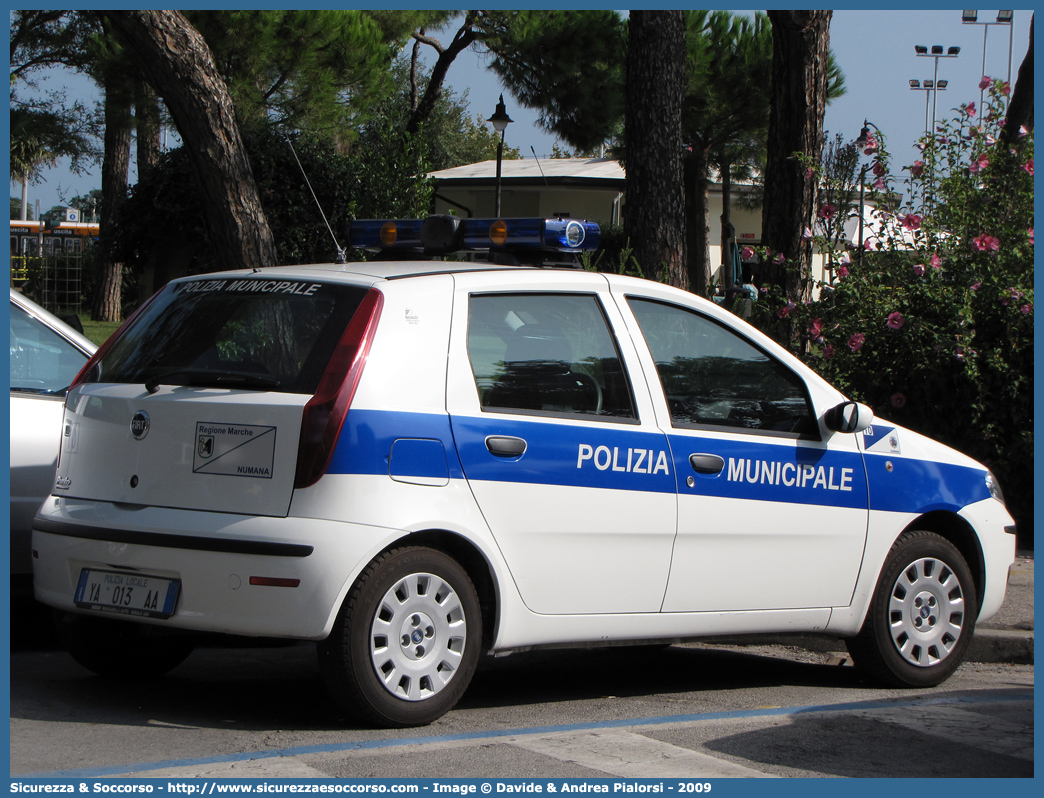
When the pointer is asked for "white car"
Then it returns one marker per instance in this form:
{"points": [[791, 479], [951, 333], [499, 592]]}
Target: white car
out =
{"points": [[414, 462], [46, 354]]}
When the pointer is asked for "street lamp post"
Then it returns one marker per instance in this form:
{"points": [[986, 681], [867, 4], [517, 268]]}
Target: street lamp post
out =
{"points": [[500, 121], [863, 144], [936, 53], [927, 87], [1003, 18]]}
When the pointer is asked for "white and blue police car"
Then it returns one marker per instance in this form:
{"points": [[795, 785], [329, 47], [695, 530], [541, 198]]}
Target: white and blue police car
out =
{"points": [[415, 462]]}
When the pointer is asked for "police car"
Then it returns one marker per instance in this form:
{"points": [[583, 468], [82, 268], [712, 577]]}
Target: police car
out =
{"points": [[416, 462]]}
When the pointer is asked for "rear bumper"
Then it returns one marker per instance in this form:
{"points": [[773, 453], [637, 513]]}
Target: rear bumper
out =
{"points": [[215, 555]]}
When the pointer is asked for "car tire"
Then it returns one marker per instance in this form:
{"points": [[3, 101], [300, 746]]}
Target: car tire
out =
{"points": [[119, 649], [406, 640], [922, 616]]}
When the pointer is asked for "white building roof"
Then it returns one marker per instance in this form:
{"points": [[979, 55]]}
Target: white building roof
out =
{"points": [[551, 170]]}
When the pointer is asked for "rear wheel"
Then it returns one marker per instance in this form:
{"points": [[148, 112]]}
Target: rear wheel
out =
{"points": [[922, 616], [406, 641], [122, 649]]}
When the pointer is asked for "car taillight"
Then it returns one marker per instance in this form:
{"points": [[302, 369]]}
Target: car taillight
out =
{"points": [[324, 414], [92, 363]]}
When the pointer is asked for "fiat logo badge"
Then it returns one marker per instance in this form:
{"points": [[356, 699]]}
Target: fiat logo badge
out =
{"points": [[139, 425]]}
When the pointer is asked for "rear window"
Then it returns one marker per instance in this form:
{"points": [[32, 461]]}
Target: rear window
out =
{"points": [[253, 333]]}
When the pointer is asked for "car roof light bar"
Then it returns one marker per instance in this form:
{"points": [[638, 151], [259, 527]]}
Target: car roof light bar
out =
{"points": [[442, 235]]}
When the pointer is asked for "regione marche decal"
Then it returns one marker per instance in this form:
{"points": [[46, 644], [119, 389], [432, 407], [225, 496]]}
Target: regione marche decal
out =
{"points": [[234, 450]]}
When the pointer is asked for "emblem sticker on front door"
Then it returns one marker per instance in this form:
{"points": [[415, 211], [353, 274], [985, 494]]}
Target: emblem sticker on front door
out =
{"points": [[234, 450]]}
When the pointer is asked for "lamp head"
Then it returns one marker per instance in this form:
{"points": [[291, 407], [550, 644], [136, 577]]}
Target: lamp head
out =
{"points": [[500, 119]]}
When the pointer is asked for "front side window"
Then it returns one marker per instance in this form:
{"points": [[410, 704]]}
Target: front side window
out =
{"points": [[713, 377], [546, 354]]}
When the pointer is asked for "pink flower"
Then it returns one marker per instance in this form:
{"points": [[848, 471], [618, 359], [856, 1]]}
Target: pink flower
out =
{"points": [[871, 144], [911, 221], [855, 343], [846, 259], [1023, 132], [895, 321], [1026, 309], [809, 172], [879, 184], [784, 311], [936, 261], [780, 258], [1006, 89], [975, 286], [806, 235], [970, 108], [746, 253], [1028, 166], [879, 169], [815, 328], [918, 270], [917, 168], [984, 83], [1030, 233], [898, 401], [827, 211], [828, 351], [981, 163], [985, 243], [842, 271]]}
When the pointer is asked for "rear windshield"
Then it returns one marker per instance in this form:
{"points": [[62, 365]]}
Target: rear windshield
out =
{"points": [[254, 333]]}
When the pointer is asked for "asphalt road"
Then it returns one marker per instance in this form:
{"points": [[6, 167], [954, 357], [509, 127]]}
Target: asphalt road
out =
{"points": [[683, 712]]}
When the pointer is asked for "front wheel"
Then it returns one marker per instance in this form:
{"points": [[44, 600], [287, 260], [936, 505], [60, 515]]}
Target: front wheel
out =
{"points": [[406, 641], [922, 616]]}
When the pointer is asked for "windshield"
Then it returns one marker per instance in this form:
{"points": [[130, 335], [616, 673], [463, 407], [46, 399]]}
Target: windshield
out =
{"points": [[42, 361], [256, 333]]}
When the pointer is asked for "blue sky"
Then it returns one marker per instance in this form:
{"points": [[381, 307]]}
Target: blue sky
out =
{"points": [[875, 49]]}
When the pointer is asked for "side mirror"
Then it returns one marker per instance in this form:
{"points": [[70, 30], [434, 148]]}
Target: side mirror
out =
{"points": [[849, 417]]}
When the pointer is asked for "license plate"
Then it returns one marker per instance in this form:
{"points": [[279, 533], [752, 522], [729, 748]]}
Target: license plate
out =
{"points": [[127, 594]]}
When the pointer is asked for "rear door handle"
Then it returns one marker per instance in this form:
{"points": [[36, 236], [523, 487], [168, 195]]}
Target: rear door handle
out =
{"points": [[706, 463], [506, 446]]}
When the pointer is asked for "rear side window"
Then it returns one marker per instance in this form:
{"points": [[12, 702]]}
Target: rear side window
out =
{"points": [[713, 377], [548, 354], [258, 333]]}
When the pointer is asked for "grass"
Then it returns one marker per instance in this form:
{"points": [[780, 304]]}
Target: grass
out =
{"points": [[98, 331]]}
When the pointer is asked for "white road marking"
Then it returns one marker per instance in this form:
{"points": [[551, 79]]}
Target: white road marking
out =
{"points": [[630, 755], [961, 726]]}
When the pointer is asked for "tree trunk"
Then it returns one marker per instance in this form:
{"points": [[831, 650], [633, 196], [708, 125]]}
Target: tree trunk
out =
{"points": [[801, 48], [108, 297], [177, 62], [1020, 109], [697, 216], [655, 216], [147, 126]]}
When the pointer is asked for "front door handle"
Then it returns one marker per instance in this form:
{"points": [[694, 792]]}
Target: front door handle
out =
{"points": [[506, 446], [706, 463]]}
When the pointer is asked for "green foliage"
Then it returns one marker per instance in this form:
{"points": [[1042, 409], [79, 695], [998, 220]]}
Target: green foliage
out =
{"points": [[569, 65], [932, 323], [315, 70]]}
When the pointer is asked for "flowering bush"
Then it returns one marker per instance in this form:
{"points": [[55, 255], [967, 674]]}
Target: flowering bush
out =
{"points": [[931, 323]]}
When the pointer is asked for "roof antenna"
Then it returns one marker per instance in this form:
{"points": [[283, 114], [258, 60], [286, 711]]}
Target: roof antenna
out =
{"points": [[340, 250], [539, 166]]}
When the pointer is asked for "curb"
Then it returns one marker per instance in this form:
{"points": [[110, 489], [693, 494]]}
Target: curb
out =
{"points": [[1010, 646], [1001, 645]]}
